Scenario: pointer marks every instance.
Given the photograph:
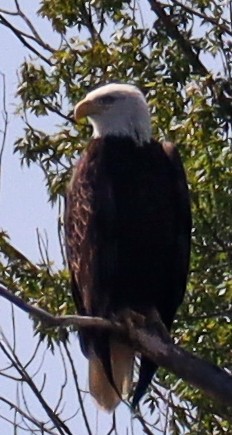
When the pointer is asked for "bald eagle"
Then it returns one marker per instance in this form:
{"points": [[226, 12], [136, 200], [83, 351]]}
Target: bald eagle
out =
{"points": [[127, 226]]}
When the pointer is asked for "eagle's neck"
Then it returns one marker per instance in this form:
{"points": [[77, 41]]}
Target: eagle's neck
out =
{"points": [[136, 125]]}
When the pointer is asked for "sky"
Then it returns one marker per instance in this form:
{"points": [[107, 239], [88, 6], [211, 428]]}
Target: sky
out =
{"points": [[23, 200], [24, 207]]}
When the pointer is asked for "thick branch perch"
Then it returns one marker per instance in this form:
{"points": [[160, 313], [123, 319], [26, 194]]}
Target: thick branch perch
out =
{"points": [[156, 344]]}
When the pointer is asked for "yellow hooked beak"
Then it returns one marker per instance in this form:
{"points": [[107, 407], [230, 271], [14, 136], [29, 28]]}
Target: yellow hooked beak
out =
{"points": [[85, 108]]}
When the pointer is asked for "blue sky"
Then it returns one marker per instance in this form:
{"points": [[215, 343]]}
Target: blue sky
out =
{"points": [[23, 200]]}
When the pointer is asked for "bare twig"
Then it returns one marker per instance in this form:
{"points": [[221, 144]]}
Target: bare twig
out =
{"points": [[37, 37], [18, 34], [146, 429], [32, 420], [43, 245], [86, 9], [7, 12], [113, 427], [84, 415], [64, 383], [57, 422], [69, 118], [5, 122], [60, 232], [29, 36], [192, 56], [12, 253], [204, 17]]}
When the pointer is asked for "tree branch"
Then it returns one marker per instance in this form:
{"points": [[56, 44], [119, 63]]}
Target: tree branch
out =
{"points": [[206, 18], [198, 67], [62, 321], [5, 122], [173, 33], [54, 418], [18, 34], [83, 411], [38, 424], [36, 37], [154, 342], [88, 22]]}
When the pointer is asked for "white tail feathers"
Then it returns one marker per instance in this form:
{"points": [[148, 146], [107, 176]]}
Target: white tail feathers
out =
{"points": [[122, 361]]}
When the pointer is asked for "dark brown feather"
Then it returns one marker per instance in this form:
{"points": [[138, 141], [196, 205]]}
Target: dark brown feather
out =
{"points": [[127, 225]]}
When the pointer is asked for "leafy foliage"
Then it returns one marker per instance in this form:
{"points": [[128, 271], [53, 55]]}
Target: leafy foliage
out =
{"points": [[180, 55]]}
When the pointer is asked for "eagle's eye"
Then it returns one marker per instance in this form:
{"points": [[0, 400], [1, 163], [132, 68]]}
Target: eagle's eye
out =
{"points": [[107, 99]]}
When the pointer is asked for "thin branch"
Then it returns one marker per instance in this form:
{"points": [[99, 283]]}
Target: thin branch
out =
{"points": [[13, 423], [88, 22], [23, 414], [68, 117], [146, 429], [113, 428], [173, 33], [42, 241], [206, 18], [7, 12], [12, 378], [157, 345], [63, 385], [84, 415], [53, 321], [32, 358], [14, 254], [13, 326], [210, 315], [38, 40], [37, 37], [192, 56], [18, 34], [58, 423], [60, 232], [5, 121], [28, 379]]}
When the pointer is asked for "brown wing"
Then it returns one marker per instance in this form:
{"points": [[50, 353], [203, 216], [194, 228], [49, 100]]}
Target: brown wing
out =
{"points": [[78, 216], [91, 244], [180, 259], [90, 233], [184, 216]]}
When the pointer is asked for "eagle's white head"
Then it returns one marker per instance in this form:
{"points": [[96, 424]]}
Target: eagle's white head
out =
{"points": [[116, 109]]}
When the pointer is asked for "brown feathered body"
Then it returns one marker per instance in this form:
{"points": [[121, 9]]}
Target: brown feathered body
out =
{"points": [[127, 225]]}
